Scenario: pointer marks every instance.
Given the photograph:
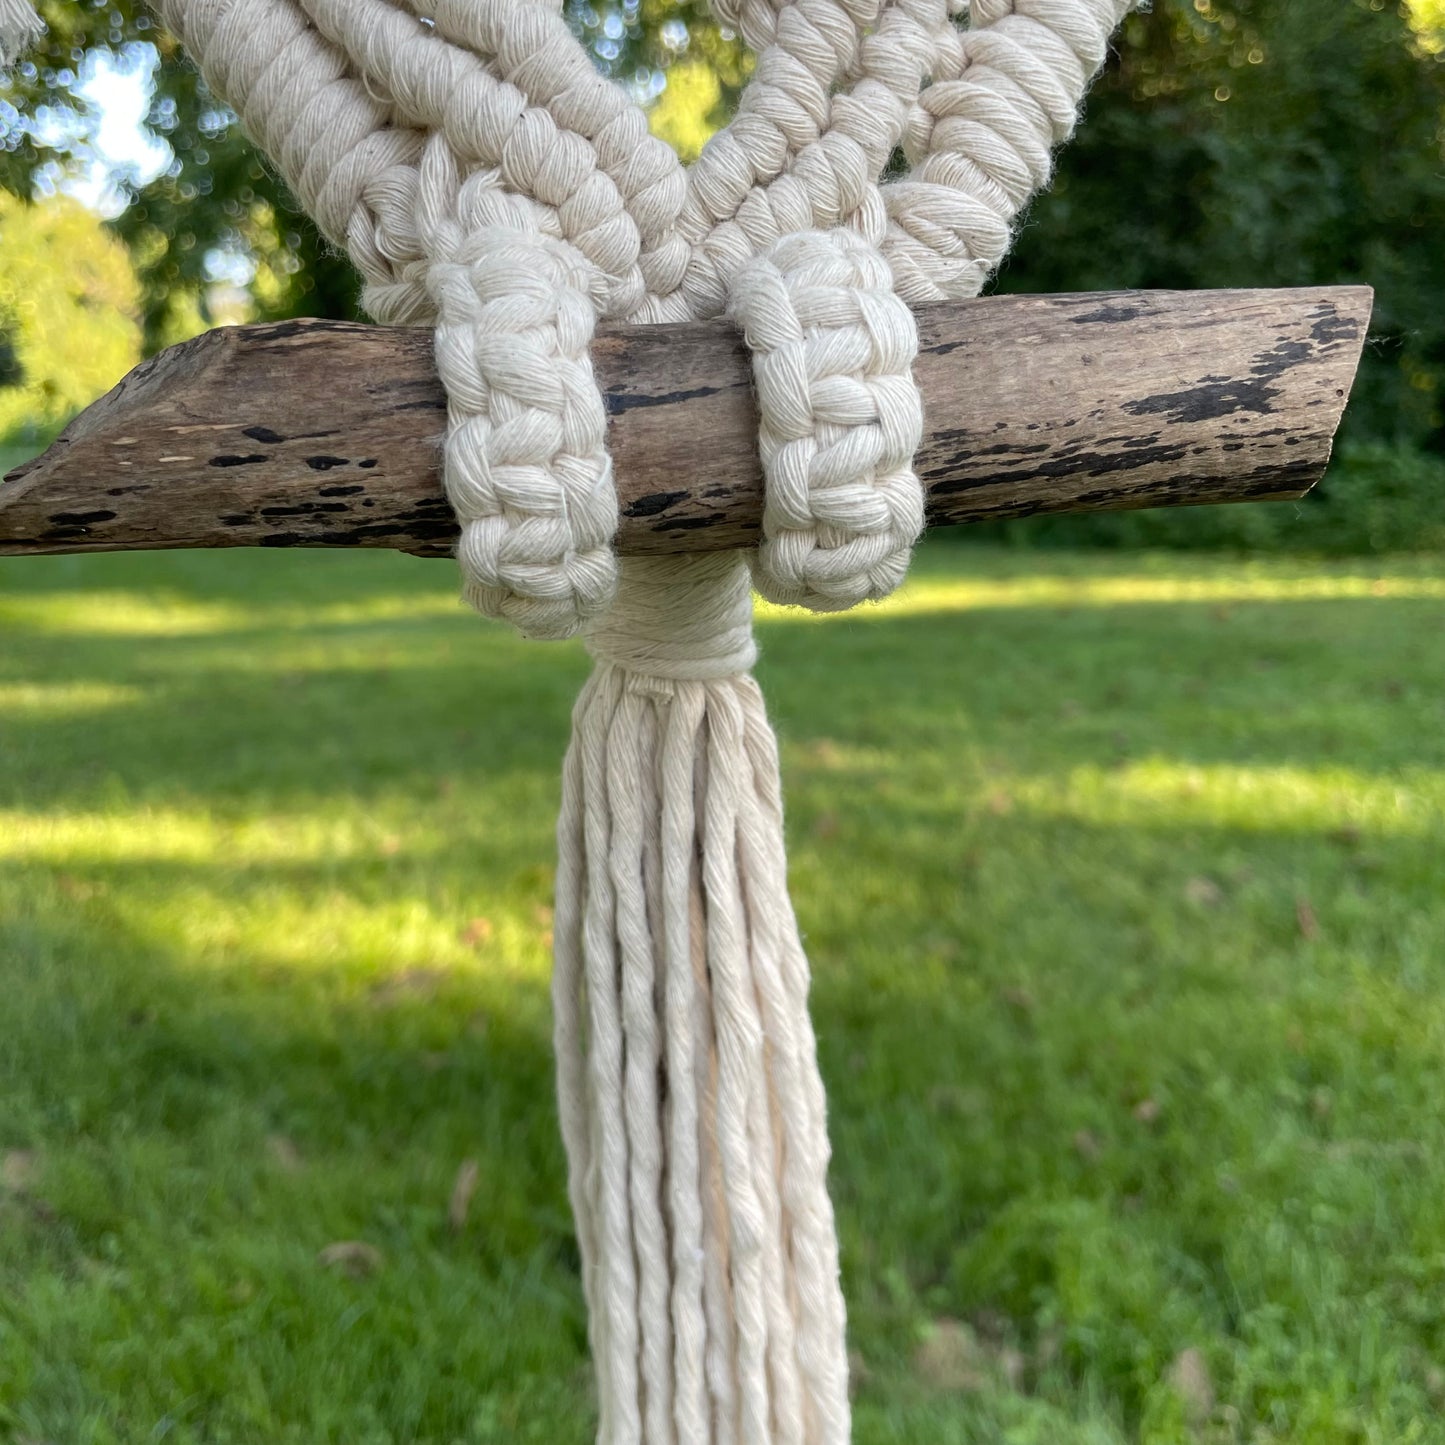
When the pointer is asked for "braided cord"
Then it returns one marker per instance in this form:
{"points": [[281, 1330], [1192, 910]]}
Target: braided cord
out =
{"points": [[832, 349], [526, 465]]}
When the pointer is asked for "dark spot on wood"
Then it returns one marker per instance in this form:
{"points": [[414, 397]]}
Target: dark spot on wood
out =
{"points": [[309, 326], [1129, 439], [237, 461], [1206, 401], [127, 491], [1280, 357], [367, 462], [280, 330], [241, 519], [80, 519], [1278, 478], [621, 401], [1107, 313], [262, 434], [1083, 464], [694, 524], [1330, 327], [304, 509], [348, 491], [998, 449], [653, 503], [352, 537], [325, 463]]}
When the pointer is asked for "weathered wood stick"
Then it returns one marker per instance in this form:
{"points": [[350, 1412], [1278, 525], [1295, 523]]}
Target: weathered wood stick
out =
{"points": [[327, 434]]}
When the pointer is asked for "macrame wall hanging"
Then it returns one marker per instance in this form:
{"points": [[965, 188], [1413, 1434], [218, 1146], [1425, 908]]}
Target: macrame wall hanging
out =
{"points": [[487, 181]]}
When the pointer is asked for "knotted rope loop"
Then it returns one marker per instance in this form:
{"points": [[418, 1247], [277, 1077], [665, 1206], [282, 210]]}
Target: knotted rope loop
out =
{"points": [[840, 419], [679, 619], [526, 465]]}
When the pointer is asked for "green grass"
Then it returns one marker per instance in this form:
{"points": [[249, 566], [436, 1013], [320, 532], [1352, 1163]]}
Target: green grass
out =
{"points": [[1123, 877]]}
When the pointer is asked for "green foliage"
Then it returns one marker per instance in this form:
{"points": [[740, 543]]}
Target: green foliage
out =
{"points": [[67, 332], [1121, 883], [1374, 499], [689, 110], [217, 194], [1269, 143]]}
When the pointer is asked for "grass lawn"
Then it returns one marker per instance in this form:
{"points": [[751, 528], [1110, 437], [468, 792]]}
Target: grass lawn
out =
{"points": [[1123, 879]]}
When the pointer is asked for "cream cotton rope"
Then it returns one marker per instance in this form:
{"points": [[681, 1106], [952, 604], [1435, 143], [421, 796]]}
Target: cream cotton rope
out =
{"points": [[487, 181]]}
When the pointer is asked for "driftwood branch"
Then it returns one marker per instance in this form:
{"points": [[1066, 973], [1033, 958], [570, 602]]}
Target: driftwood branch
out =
{"points": [[326, 434]]}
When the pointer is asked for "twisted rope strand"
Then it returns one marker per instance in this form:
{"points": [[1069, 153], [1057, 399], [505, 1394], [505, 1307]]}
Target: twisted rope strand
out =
{"points": [[444, 88], [980, 138]]}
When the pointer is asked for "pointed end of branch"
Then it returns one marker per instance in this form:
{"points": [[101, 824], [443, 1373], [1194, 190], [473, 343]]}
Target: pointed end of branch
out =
{"points": [[31, 522]]}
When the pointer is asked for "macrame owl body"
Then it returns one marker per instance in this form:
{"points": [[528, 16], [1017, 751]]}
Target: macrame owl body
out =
{"points": [[485, 180]]}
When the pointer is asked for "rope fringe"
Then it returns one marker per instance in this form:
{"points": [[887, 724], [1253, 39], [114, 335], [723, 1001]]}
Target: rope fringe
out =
{"points": [[688, 1087]]}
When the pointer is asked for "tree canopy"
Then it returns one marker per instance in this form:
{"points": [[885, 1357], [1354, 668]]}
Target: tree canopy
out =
{"points": [[1230, 143], [66, 332]]}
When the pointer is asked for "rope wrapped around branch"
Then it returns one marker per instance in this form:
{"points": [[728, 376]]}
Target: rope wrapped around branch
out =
{"points": [[487, 181]]}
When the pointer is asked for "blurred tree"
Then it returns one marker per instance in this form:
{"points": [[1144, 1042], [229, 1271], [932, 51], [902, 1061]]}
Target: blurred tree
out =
{"points": [[66, 332], [215, 199]]}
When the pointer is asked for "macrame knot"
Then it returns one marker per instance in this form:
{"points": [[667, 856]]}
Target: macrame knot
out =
{"points": [[526, 467], [487, 180], [678, 619], [840, 419]]}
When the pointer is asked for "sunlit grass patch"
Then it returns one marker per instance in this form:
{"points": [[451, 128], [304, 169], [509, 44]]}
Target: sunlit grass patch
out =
{"points": [[42, 699], [1040, 580], [1311, 801], [115, 613]]}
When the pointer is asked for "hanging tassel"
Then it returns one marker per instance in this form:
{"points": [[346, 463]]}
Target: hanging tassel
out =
{"points": [[20, 28], [688, 1087]]}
